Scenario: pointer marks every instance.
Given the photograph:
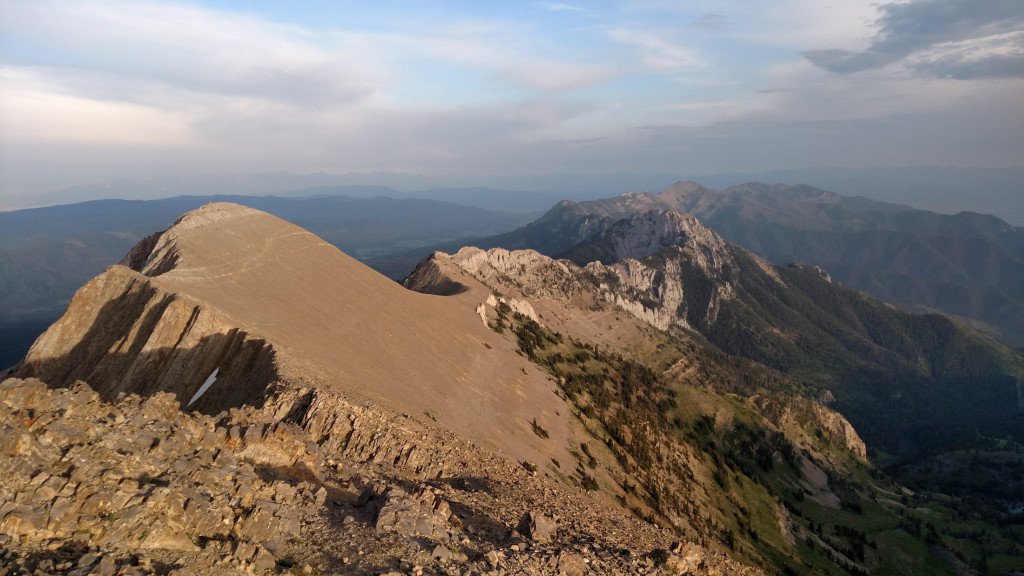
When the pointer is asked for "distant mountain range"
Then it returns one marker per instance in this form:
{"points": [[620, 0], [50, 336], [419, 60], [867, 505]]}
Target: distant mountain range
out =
{"points": [[947, 190], [966, 265]]}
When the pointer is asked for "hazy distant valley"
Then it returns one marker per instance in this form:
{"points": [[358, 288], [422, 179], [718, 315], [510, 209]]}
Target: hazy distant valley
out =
{"points": [[659, 376]]}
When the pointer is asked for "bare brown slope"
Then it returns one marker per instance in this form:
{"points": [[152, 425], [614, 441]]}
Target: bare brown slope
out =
{"points": [[331, 322]]}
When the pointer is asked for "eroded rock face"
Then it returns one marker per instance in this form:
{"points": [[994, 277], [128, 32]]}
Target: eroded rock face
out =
{"points": [[841, 429], [364, 433], [654, 292], [125, 334], [648, 232], [534, 274]]}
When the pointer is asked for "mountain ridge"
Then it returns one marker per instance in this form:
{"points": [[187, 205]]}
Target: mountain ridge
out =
{"points": [[673, 273], [964, 265], [46, 254], [254, 271]]}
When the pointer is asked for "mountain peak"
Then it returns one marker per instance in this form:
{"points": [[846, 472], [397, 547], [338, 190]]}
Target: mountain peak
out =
{"points": [[225, 279], [650, 231], [214, 212], [222, 239], [682, 188]]}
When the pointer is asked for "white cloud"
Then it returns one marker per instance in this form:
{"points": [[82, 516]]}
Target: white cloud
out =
{"points": [[807, 24], [34, 108], [942, 38], [993, 56], [200, 50], [800, 24], [560, 7], [503, 52], [657, 52], [165, 85]]}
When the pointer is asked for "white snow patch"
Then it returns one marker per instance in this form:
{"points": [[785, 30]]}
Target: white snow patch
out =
{"points": [[206, 386]]}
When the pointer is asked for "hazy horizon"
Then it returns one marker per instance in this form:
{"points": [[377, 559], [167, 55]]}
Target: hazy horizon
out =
{"points": [[114, 89]]}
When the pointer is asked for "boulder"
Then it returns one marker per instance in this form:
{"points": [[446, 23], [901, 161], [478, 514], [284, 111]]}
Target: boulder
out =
{"points": [[421, 513], [537, 527], [571, 564]]}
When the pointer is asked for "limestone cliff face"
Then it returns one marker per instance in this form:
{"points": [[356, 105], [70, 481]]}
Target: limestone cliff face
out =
{"points": [[523, 272], [599, 235], [657, 292], [648, 232], [536, 274]]}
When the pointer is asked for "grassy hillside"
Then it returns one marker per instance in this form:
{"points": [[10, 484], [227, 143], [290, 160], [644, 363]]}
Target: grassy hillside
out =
{"points": [[761, 478]]}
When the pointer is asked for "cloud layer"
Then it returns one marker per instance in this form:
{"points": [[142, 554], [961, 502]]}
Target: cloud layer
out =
{"points": [[108, 87], [961, 39]]}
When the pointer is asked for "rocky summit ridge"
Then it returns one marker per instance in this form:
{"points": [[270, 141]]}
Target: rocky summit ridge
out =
{"points": [[237, 396], [253, 305]]}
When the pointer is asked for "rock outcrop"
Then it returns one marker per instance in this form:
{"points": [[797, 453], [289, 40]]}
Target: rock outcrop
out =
{"points": [[651, 231], [125, 333], [537, 527], [532, 273], [840, 429], [137, 487], [421, 513], [139, 480]]}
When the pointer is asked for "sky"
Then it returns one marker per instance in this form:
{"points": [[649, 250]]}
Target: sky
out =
{"points": [[113, 88]]}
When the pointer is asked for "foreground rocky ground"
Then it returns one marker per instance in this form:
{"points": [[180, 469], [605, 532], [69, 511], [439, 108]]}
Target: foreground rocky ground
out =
{"points": [[137, 486]]}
